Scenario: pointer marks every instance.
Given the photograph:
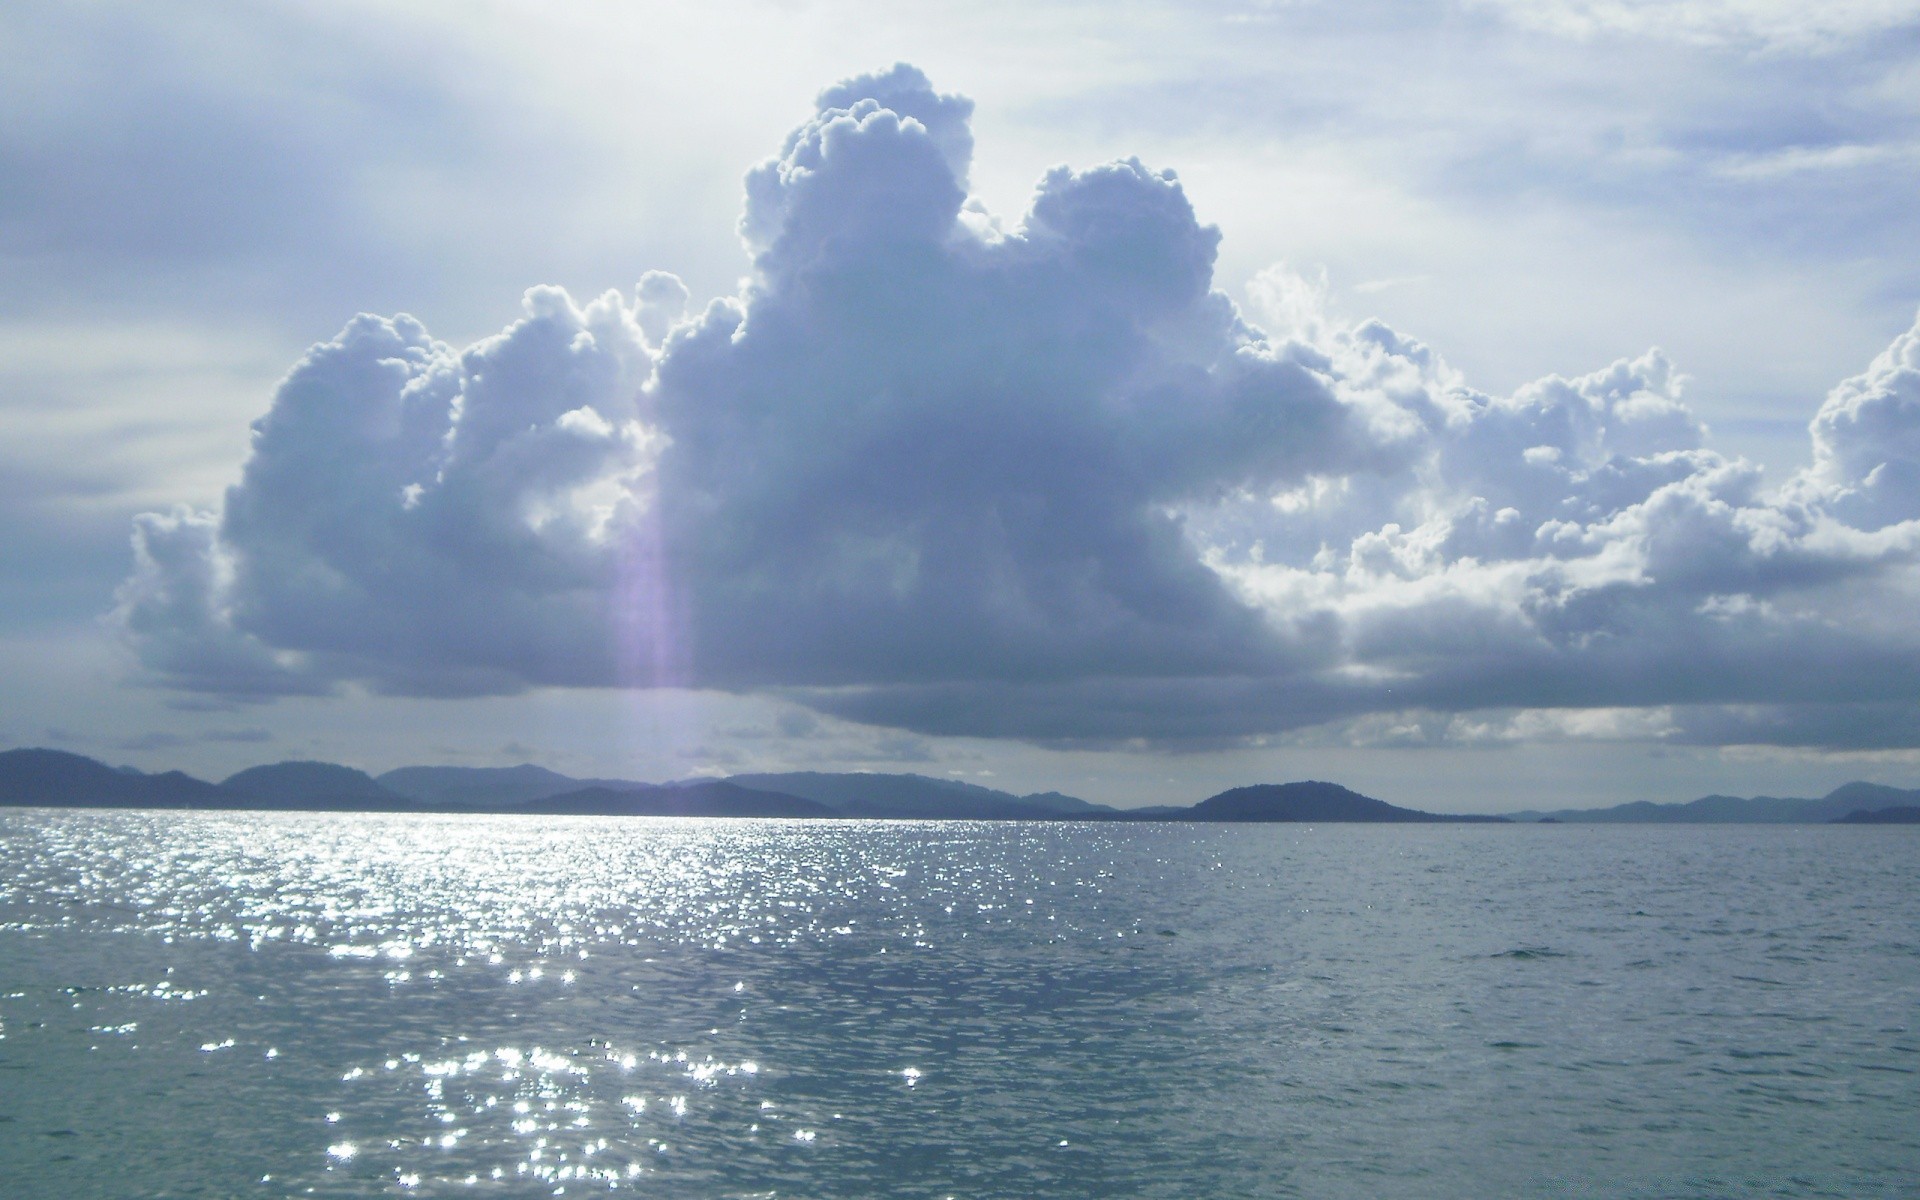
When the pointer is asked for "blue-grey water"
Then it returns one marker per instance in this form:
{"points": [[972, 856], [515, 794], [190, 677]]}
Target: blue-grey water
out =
{"points": [[233, 1005]]}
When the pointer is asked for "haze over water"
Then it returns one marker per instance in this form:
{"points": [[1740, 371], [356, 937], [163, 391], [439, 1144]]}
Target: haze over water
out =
{"points": [[292, 1004]]}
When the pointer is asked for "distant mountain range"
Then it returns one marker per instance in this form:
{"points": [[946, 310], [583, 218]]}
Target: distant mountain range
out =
{"points": [[921, 798], [59, 779], [1837, 805], [535, 789], [56, 778], [1899, 814]]}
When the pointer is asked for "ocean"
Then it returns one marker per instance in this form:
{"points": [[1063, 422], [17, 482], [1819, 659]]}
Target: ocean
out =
{"points": [[237, 1005]]}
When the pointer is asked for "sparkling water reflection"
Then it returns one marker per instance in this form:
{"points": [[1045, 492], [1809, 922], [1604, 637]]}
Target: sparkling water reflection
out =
{"points": [[234, 1004]]}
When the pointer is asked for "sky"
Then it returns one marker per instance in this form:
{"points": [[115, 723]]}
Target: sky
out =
{"points": [[1482, 404]]}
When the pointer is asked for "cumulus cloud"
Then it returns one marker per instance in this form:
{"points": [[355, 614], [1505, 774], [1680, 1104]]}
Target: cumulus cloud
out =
{"points": [[1039, 480], [1866, 441]]}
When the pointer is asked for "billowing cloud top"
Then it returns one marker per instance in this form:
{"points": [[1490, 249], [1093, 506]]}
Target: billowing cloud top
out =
{"points": [[1036, 481]]}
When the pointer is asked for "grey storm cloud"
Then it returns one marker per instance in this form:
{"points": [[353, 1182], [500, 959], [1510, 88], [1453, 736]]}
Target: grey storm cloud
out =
{"points": [[1036, 480]]}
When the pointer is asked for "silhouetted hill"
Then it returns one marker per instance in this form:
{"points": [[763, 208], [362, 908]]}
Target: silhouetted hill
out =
{"points": [[1868, 797], [709, 798], [480, 787], [1308, 801], [1061, 803], [59, 779], [309, 785], [916, 797], [1899, 814], [1732, 810]]}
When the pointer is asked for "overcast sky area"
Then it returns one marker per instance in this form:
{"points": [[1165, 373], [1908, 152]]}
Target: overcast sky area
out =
{"points": [[1482, 404]]}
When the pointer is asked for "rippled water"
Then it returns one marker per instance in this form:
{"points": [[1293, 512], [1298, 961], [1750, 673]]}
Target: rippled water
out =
{"points": [[292, 1005]]}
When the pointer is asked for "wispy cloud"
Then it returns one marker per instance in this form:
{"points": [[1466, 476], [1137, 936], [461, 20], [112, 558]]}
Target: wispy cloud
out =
{"points": [[1773, 25], [1796, 160]]}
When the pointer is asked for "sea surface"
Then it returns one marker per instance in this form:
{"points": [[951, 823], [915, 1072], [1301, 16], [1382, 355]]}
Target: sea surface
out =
{"points": [[235, 1005]]}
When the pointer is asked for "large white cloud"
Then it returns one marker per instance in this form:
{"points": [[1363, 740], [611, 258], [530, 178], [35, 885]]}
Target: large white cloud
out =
{"points": [[1039, 481]]}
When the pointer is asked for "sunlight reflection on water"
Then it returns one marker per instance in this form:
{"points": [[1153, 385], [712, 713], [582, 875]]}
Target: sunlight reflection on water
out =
{"points": [[352, 1005]]}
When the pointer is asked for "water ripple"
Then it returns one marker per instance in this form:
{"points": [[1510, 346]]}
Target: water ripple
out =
{"points": [[329, 1005]]}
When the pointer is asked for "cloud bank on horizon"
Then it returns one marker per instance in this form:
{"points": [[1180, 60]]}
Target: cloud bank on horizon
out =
{"points": [[934, 471]]}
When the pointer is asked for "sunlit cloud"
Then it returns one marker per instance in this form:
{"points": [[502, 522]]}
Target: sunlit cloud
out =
{"points": [[1031, 477]]}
